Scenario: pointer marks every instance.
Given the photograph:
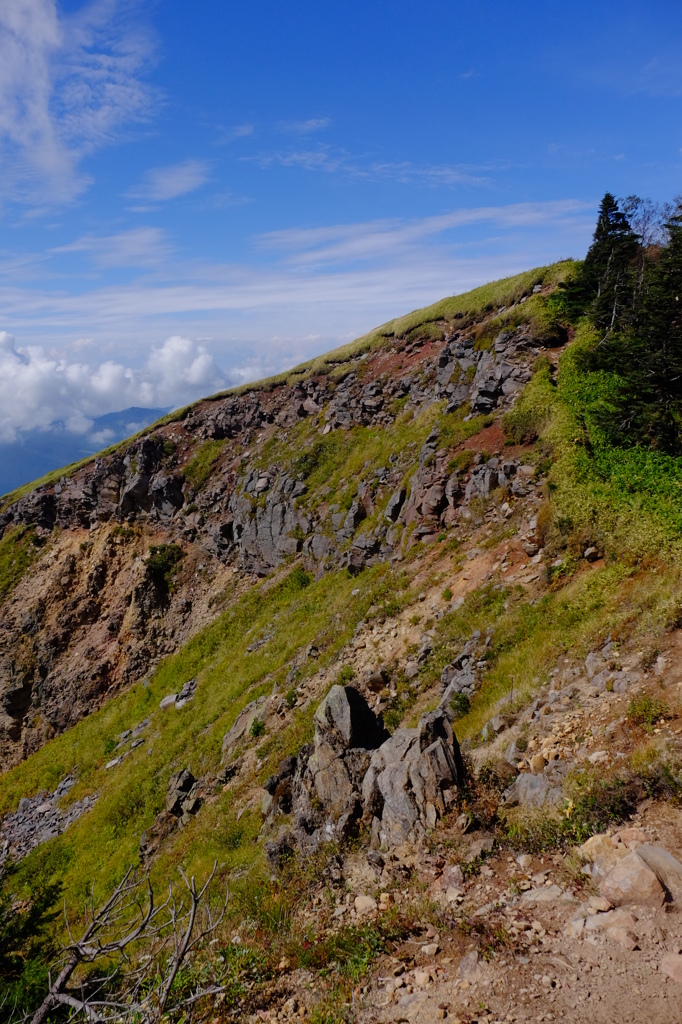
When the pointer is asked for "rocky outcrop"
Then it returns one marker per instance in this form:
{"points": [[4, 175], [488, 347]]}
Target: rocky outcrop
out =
{"points": [[413, 779], [355, 773], [38, 819]]}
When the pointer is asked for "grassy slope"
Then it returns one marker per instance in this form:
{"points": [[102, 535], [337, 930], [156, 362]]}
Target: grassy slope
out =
{"points": [[583, 607]]}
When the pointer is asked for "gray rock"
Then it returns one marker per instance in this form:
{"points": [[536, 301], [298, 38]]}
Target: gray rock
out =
{"points": [[493, 728], [242, 726], [395, 504], [529, 790], [484, 844], [344, 720], [413, 779], [179, 787]]}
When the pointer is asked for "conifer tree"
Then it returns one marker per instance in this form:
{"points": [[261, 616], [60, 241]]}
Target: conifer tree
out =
{"points": [[603, 289]]}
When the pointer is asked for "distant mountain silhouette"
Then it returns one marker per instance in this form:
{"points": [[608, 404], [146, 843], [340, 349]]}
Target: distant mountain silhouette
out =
{"points": [[37, 452]]}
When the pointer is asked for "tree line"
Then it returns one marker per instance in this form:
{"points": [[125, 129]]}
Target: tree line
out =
{"points": [[629, 288]]}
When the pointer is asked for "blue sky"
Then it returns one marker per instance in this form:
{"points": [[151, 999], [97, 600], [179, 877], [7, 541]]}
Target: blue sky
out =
{"points": [[195, 195]]}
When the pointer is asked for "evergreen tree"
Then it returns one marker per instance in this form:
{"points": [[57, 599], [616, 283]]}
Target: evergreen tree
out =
{"points": [[644, 352], [604, 287]]}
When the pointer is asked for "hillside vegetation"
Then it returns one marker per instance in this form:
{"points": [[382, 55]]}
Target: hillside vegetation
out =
{"points": [[586, 553]]}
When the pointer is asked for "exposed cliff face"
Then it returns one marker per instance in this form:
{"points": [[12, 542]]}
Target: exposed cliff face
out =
{"points": [[94, 614]]}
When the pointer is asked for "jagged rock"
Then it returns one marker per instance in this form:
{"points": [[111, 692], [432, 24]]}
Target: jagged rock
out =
{"points": [[395, 504], [413, 779], [178, 792], [281, 849], [279, 788], [326, 787], [353, 769]]}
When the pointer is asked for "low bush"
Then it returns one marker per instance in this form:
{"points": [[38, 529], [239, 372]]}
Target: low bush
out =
{"points": [[646, 710]]}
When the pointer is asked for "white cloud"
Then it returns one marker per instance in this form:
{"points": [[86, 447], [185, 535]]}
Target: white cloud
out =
{"points": [[37, 389], [140, 247], [381, 238], [313, 124], [68, 83], [302, 292], [319, 159], [324, 158], [164, 183], [237, 131]]}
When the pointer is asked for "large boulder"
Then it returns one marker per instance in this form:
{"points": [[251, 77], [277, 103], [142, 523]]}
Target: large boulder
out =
{"points": [[345, 721], [412, 780], [329, 775], [630, 880], [355, 772]]}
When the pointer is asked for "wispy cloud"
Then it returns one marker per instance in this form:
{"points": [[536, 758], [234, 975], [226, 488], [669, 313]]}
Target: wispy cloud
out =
{"points": [[140, 247], [375, 239], [237, 131], [436, 174], [658, 76], [309, 160], [330, 161], [163, 183], [313, 124], [68, 84]]}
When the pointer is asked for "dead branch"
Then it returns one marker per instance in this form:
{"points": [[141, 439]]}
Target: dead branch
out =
{"points": [[134, 985]]}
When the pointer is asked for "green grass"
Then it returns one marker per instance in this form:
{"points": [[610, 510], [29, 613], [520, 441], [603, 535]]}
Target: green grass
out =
{"points": [[19, 549], [99, 846], [646, 710], [200, 466]]}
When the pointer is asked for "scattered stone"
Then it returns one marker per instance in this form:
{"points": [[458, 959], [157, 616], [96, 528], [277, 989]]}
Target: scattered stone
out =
{"points": [[484, 844], [599, 904], [530, 790], [365, 905], [547, 894], [574, 929], [671, 965], [622, 937], [38, 819]]}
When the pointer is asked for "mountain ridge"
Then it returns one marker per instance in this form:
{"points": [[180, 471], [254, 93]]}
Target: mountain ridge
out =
{"points": [[434, 527]]}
